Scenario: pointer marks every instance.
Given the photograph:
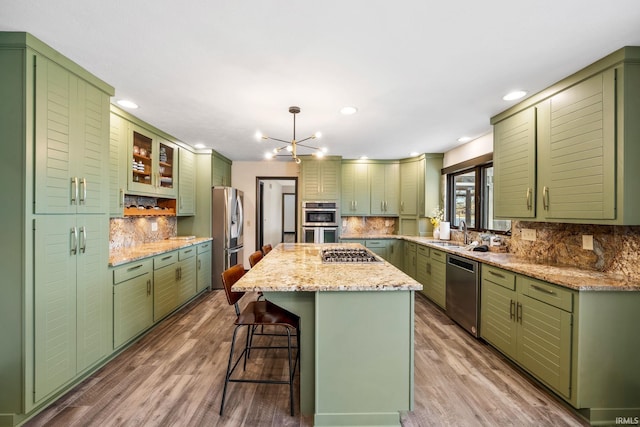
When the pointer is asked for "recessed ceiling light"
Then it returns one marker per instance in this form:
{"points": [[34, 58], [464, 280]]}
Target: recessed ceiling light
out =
{"points": [[464, 139], [347, 111], [413, 153], [127, 104], [199, 146], [364, 157], [516, 94]]}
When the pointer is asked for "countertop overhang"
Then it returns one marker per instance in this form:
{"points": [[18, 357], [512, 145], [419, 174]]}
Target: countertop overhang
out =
{"points": [[134, 253], [291, 267]]}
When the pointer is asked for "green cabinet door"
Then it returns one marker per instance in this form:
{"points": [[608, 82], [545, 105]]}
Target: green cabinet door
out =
{"points": [[438, 286], [394, 252], [378, 247], [409, 187], [514, 161], [354, 189], [186, 282], [385, 187], [423, 269], [71, 125], [165, 290], [132, 307], [320, 179], [220, 171], [410, 259], [186, 204], [577, 151], [497, 320], [118, 163], [544, 343], [203, 267]]}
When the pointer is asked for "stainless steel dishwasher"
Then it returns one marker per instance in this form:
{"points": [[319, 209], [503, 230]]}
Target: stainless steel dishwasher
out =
{"points": [[463, 293]]}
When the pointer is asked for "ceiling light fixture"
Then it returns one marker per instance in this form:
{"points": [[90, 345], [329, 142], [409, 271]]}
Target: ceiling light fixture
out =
{"points": [[199, 146], [292, 146], [464, 139], [347, 111], [127, 104], [413, 153], [516, 94]]}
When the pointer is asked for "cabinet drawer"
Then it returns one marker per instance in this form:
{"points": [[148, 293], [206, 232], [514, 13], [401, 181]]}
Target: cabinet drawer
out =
{"points": [[499, 276], [129, 271], [411, 247], [165, 259], [546, 292], [187, 253], [203, 247], [375, 243], [423, 250], [439, 256]]}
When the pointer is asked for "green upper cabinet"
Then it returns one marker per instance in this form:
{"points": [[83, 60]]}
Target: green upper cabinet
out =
{"points": [[355, 188], [118, 164], [409, 187], [570, 152], [576, 150], [186, 204], [71, 116], [154, 167], [385, 188], [320, 178], [220, 171], [514, 154]]}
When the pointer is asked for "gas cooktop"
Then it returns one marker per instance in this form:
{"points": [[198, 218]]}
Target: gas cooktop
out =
{"points": [[347, 255]]}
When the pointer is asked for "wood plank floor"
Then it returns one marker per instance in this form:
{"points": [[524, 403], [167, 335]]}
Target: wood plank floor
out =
{"points": [[174, 376]]}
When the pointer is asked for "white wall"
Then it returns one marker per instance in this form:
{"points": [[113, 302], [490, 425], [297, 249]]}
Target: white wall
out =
{"points": [[243, 177], [272, 215], [470, 150]]}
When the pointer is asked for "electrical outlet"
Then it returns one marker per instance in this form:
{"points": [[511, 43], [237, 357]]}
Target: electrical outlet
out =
{"points": [[387, 222], [344, 223], [587, 242], [154, 226], [528, 234]]}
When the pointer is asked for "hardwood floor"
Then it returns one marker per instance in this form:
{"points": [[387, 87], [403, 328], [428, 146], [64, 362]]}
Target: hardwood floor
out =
{"points": [[174, 376]]}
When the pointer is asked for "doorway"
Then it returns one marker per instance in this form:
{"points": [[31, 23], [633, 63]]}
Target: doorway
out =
{"points": [[276, 210]]}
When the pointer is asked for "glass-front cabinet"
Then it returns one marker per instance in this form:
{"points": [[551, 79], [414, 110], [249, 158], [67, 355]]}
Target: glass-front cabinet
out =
{"points": [[153, 166]]}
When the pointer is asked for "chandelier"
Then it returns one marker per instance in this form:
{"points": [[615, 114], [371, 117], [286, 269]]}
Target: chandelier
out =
{"points": [[291, 147]]}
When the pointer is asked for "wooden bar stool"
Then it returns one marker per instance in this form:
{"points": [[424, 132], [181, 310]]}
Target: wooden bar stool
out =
{"points": [[258, 313], [254, 258], [266, 249]]}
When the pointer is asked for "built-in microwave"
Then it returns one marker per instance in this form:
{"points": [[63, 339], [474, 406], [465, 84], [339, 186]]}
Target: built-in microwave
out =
{"points": [[319, 214]]}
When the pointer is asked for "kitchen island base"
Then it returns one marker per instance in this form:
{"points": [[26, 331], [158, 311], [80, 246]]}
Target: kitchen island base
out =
{"points": [[356, 355]]}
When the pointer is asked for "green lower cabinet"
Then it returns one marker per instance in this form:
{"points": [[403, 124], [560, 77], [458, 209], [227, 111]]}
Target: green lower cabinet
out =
{"points": [[437, 290], [165, 289], [423, 268], [394, 252], [186, 282], [409, 265], [203, 267], [378, 247], [531, 322], [132, 301]]}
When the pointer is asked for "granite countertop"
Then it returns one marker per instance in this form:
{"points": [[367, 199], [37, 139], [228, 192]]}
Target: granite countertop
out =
{"points": [[564, 275], [133, 253], [298, 267]]}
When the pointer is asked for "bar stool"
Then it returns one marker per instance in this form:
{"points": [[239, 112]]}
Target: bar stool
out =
{"points": [[254, 258], [258, 313], [266, 249]]}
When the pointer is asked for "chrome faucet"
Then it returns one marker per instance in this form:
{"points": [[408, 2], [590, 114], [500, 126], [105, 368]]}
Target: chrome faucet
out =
{"points": [[463, 227]]}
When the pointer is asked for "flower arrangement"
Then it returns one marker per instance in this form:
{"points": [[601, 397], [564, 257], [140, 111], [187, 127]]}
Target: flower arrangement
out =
{"points": [[437, 216]]}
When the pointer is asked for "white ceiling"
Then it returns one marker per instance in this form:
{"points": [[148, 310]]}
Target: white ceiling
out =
{"points": [[422, 73]]}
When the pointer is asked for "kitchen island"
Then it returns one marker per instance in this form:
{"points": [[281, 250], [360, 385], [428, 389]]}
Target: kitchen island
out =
{"points": [[356, 349]]}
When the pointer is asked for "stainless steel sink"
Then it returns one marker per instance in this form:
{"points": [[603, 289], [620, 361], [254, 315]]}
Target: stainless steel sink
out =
{"points": [[445, 243]]}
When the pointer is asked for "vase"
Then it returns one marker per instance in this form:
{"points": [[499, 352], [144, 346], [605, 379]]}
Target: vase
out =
{"points": [[445, 230], [436, 232]]}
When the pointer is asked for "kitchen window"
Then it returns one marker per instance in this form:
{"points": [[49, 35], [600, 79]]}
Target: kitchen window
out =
{"points": [[470, 195]]}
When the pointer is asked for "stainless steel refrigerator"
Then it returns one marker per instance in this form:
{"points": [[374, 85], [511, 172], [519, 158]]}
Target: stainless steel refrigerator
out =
{"points": [[227, 227]]}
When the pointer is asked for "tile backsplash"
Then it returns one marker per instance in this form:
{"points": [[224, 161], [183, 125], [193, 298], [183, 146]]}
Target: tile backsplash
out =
{"points": [[130, 231]]}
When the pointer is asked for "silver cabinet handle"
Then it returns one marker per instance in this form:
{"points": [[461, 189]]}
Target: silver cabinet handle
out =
{"points": [[166, 258], [381, 205], [512, 309], [401, 206], [134, 268], [545, 198], [493, 273], [545, 290], [83, 197], [181, 202], [199, 264], [177, 274], [122, 198], [529, 198], [519, 313], [355, 204], [385, 205], [83, 239], [148, 287], [74, 240], [429, 268], [74, 190]]}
